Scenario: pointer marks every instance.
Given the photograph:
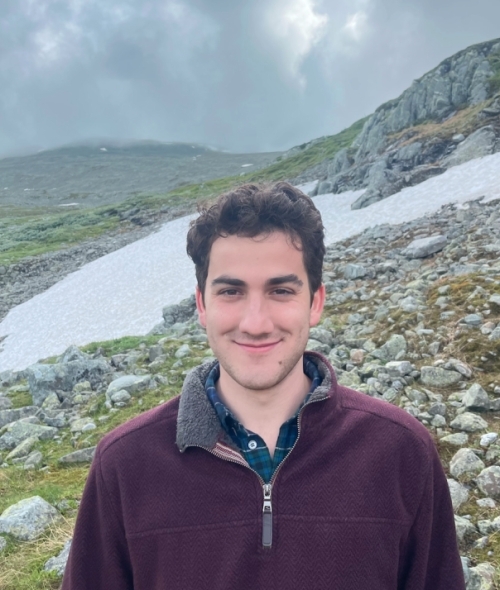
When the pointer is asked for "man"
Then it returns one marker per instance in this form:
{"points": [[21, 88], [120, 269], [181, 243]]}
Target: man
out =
{"points": [[264, 473]]}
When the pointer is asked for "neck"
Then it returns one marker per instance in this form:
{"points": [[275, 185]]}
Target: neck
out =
{"points": [[264, 411]]}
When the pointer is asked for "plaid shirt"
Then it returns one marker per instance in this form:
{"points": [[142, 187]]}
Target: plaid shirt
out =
{"points": [[252, 446]]}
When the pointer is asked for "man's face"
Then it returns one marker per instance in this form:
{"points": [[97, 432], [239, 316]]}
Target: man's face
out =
{"points": [[257, 308]]}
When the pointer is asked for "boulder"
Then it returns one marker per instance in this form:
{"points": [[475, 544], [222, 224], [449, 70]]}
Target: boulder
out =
{"points": [[46, 379], [469, 422], [184, 311], [481, 577], [438, 377], [488, 481], [132, 384], [423, 247], [20, 431], [476, 398], [8, 416], [28, 519], [80, 456], [458, 492], [394, 349], [354, 271], [465, 529], [479, 143], [465, 462]]}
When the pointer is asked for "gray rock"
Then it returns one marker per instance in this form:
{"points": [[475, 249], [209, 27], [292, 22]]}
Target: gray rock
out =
{"points": [[80, 424], [80, 456], [317, 346], [495, 334], [468, 422], [3, 543], [465, 462], [185, 311], [28, 519], [481, 577], [183, 351], [8, 416], [457, 439], [394, 349], [354, 271], [324, 187], [322, 335], [459, 494], [423, 247], [130, 383], [488, 439], [488, 481], [465, 529], [476, 398], [121, 397], [46, 379], [472, 319], [479, 143], [73, 353], [33, 460], [437, 377], [486, 503], [397, 369], [58, 564], [20, 431], [23, 449]]}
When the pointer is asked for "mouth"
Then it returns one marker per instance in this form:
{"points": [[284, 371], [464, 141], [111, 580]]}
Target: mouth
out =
{"points": [[259, 348]]}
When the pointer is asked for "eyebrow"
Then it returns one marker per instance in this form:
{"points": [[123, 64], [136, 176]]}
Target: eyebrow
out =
{"points": [[275, 281]]}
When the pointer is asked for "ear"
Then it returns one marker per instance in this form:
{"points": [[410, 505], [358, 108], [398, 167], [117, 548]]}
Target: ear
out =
{"points": [[200, 306], [317, 305]]}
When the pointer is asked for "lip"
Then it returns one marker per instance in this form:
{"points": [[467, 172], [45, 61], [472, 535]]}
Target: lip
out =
{"points": [[258, 348]]}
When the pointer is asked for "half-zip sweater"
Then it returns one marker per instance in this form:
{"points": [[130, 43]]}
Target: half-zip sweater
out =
{"points": [[361, 502]]}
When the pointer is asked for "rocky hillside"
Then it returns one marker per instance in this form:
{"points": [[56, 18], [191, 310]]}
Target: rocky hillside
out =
{"points": [[412, 318], [447, 117]]}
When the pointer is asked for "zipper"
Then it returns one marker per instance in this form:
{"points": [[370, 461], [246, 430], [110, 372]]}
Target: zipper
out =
{"points": [[267, 488]]}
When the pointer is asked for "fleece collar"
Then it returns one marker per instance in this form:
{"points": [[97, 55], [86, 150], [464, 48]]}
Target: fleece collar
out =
{"points": [[197, 421]]}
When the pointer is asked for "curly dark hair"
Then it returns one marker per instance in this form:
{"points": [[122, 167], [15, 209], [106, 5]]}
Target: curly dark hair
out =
{"points": [[254, 209]]}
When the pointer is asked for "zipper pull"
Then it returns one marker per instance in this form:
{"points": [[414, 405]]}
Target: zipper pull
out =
{"points": [[267, 517]]}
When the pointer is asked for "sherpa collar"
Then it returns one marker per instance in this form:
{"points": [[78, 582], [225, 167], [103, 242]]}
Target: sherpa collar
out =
{"points": [[197, 421]]}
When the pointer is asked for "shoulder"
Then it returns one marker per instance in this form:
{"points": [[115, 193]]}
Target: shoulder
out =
{"points": [[388, 421], [148, 428]]}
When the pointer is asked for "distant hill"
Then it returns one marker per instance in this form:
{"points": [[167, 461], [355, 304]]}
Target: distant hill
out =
{"points": [[100, 172]]}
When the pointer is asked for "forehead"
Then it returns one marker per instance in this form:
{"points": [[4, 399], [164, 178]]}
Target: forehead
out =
{"points": [[272, 252]]}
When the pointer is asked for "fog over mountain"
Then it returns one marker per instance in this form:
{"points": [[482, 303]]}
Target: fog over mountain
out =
{"points": [[244, 76]]}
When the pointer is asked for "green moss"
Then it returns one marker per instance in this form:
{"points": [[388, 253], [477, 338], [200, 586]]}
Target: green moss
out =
{"points": [[21, 399]]}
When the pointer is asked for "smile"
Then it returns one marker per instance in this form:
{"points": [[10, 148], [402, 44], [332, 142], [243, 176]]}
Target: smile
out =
{"points": [[258, 348]]}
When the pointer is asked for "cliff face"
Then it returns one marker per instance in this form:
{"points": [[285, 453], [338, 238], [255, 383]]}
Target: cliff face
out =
{"points": [[461, 80], [447, 117]]}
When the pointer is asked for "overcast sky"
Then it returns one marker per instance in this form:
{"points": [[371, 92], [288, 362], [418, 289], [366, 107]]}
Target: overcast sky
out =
{"points": [[244, 75]]}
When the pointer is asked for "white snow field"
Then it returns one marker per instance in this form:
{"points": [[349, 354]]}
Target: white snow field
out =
{"points": [[124, 292]]}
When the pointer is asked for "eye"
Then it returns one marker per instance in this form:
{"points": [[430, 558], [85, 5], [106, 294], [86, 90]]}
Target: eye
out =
{"points": [[230, 292], [282, 292]]}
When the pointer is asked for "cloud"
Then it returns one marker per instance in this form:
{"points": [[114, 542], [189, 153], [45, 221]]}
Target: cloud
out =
{"points": [[295, 27]]}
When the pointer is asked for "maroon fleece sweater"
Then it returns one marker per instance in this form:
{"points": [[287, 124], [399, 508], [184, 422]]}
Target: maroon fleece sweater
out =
{"points": [[360, 503]]}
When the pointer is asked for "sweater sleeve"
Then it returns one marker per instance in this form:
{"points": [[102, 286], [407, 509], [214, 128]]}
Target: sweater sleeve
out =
{"points": [[430, 559], [99, 558]]}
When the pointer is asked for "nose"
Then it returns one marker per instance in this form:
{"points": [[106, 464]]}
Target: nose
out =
{"points": [[256, 319]]}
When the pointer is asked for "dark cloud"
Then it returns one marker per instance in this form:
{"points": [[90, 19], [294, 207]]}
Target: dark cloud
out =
{"points": [[259, 75]]}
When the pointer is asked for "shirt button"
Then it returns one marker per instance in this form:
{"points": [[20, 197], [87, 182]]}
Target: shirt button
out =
{"points": [[252, 445]]}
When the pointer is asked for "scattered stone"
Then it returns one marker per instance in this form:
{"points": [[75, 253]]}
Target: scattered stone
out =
{"points": [[476, 398], [488, 481], [457, 439], [393, 350], [20, 431], [423, 247], [465, 463], [121, 397], [23, 449], [469, 422], [28, 519], [465, 529], [80, 456], [486, 503], [3, 543], [437, 377], [33, 460], [130, 383], [459, 494], [488, 439], [481, 577], [58, 564], [354, 271], [80, 424]]}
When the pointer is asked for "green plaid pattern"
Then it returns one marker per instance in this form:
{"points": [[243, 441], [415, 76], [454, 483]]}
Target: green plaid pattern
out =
{"points": [[252, 446]]}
